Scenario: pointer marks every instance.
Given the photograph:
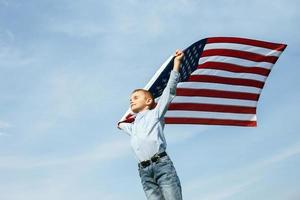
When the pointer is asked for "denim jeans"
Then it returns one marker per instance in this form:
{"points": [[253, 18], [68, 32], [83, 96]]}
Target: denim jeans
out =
{"points": [[160, 180]]}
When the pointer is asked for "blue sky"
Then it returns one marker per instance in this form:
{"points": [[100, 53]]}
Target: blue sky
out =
{"points": [[67, 69]]}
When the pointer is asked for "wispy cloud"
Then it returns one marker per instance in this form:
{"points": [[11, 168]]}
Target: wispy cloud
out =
{"points": [[108, 152], [6, 37], [223, 186], [227, 192], [178, 134], [78, 28], [283, 155], [4, 124], [4, 134], [4, 2], [11, 55], [59, 188], [64, 177], [125, 18]]}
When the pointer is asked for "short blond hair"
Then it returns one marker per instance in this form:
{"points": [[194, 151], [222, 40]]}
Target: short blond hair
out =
{"points": [[148, 94]]}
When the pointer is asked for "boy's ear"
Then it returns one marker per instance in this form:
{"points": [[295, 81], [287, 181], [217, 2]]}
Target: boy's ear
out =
{"points": [[149, 101]]}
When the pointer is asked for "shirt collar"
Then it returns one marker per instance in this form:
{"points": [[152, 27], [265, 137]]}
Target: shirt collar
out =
{"points": [[141, 114]]}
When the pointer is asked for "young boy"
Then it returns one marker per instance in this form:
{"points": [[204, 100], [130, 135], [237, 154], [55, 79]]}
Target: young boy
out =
{"points": [[158, 175]]}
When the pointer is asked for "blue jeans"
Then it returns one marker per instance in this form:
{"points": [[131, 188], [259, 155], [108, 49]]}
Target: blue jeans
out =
{"points": [[160, 180]]}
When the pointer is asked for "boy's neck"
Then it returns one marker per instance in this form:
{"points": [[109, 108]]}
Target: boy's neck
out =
{"points": [[144, 109]]}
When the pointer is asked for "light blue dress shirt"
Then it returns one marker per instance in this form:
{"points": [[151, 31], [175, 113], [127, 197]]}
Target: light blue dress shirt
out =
{"points": [[147, 136]]}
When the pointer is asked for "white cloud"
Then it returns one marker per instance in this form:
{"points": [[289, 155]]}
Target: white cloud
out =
{"points": [[178, 133], [4, 125], [78, 28], [13, 57], [120, 17], [106, 152], [223, 186], [220, 187], [62, 177], [4, 2], [227, 192], [4, 134], [6, 37], [57, 188], [72, 93], [279, 157]]}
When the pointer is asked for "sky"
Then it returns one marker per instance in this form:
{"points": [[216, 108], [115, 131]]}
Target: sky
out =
{"points": [[67, 69]]}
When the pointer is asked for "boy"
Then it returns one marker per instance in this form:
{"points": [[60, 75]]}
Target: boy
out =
{"points": [[158, 175]]}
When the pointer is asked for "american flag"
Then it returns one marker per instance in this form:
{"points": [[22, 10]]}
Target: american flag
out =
{"points": [[221, 81]]}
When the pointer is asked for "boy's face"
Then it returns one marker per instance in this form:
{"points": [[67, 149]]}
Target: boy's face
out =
{"points": [[139, 101]]}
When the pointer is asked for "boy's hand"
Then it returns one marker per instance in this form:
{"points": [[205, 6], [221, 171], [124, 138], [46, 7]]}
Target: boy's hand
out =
{"points": [[177, 60], [179, 55]]}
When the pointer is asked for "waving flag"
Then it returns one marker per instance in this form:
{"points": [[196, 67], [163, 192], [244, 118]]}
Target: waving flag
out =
{"points": [[221, 81]]}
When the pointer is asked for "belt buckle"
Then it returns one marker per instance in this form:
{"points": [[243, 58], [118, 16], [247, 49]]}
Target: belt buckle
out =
{"points": [[145, 163], [155, 158]]}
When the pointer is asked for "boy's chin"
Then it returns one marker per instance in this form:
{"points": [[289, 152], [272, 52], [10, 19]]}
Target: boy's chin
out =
{"points": [[135, 110]]}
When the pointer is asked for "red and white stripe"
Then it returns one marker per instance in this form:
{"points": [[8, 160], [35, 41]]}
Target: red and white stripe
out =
{"points": [[225, 88]]}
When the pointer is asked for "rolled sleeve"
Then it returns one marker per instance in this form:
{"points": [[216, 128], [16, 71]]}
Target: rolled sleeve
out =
{"points": [[126, 127]]}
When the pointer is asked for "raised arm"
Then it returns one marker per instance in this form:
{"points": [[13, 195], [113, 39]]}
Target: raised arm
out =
{"points": [[177, 60], [170, 90]]}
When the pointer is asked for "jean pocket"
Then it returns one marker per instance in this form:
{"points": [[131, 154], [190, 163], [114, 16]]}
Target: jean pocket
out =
{"points": [[164, 162]]}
